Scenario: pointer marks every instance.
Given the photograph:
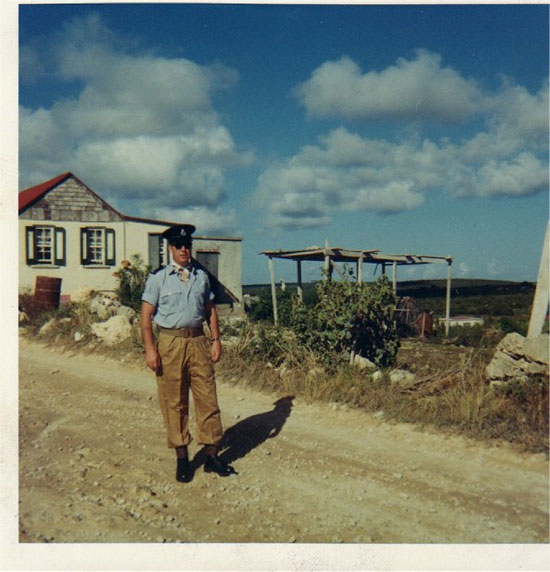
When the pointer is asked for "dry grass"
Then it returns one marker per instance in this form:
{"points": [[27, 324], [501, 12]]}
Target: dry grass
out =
{"points": [[451, 392]]}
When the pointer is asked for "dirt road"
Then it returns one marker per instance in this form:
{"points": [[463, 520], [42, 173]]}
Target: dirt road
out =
{"points": [[94, 468]]}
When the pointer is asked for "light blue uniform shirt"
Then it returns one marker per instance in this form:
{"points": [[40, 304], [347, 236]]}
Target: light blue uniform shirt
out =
{"points": [[178, 304]]}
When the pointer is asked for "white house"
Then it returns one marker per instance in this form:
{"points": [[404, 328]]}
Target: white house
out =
{"points": [[67, 231]]}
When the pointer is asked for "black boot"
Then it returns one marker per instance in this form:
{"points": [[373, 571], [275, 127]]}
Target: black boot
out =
{"points": [[184, 472], [213, 464]]}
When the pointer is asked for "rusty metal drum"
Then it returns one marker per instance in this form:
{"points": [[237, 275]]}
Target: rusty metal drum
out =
{"points": [[47, 292]]}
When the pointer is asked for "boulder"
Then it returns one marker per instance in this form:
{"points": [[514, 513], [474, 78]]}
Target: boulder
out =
{"points": [[47, 327], [130, 313], [377, 376], [537, 349], [402, 377], [115, 330], [517, 359], [363, 363], [82, 295], [104, 306], [512, 345]]}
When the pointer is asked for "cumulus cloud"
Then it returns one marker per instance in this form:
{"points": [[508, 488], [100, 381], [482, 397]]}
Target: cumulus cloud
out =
{"points": [[218, 221], [140, 127], [421, 88], [345, 171]]}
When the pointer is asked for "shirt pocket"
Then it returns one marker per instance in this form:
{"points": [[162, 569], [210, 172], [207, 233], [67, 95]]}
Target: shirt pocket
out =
{"points": [[169, 302]]}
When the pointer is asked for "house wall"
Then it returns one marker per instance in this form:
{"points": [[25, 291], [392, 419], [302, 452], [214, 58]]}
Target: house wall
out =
{"points": [[73, 274], [130, 238]]}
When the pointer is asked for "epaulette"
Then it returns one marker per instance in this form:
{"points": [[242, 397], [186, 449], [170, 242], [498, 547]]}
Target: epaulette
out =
{"points": [[158, 269]]}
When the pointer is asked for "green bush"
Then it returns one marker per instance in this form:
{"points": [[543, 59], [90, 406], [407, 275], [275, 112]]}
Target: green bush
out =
{"points": [[131, 278], [349, 318], [262, 310]]}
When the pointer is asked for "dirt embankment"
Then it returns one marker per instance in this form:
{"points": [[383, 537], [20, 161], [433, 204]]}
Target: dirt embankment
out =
{"points": [[94, 468]]}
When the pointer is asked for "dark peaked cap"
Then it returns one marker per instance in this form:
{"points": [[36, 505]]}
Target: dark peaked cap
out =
{"points": [[179, 231]]}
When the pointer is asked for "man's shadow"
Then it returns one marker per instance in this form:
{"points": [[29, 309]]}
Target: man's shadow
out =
{"points": [[251, 432]]}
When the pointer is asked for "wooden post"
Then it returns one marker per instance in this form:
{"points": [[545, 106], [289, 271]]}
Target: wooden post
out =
{"points": [[299, 270], [273, 291], [360, 269], [541, 300], [394, 277], [328, 269], [448, 298]]}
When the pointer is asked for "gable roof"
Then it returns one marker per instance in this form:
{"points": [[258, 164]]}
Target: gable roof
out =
{"points": [[34, 194], [30, 196]]}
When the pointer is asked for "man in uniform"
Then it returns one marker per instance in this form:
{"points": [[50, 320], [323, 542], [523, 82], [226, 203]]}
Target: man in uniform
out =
{"points": [[178, 299]]}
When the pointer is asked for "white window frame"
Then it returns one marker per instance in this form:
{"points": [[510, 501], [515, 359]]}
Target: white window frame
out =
{"points": [[97, 246], [34, 245]]}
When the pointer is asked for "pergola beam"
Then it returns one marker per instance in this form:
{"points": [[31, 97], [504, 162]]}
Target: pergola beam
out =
{"points": [[330, 255]]}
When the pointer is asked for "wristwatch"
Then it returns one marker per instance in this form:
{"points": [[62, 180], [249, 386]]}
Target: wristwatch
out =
{"points": [[217, 339]]}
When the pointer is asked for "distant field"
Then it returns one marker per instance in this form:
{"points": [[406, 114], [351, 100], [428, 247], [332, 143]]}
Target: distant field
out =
{"points": [[468, 296]]}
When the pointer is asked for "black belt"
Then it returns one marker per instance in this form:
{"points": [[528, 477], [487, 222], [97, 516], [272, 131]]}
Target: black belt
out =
{"points": [[182, 332]]}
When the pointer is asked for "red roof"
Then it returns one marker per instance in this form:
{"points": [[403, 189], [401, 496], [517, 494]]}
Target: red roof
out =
{"points": [[33, 194]]}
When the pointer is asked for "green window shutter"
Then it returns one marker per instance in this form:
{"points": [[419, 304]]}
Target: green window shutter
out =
{"points": [[84, 257], [60, 247], [29, 245], [110, 251]]}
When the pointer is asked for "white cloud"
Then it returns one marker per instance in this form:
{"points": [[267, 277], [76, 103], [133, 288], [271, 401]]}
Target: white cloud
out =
{"points": [[345, 171], [419, 88], [141, 127], [217, 221]]}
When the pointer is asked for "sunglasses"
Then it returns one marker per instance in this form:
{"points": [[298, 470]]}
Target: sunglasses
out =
{"points": [[179, 242]]}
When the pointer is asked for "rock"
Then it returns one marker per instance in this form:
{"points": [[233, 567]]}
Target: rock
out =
{"points": [[537, 349], [363, 363], [377, 376], [130, 313], [511, 344], [115, 330], [47, 327], [77, 336], [23, 318], [517, 359], [104, 305], [82, 295], [402, 378]]}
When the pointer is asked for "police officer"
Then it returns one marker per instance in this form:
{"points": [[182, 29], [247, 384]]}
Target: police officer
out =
{"points": [[178, 299]]}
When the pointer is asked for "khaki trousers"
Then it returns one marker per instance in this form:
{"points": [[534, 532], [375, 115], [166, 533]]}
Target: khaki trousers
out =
{"points": [[186, 364]]}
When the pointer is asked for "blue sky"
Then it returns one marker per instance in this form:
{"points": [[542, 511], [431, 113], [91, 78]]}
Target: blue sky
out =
{"points": [[410, 129]]}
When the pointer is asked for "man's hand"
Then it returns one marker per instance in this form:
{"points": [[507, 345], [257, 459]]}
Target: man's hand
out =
{"points": [[216, 351], [152, 359]]}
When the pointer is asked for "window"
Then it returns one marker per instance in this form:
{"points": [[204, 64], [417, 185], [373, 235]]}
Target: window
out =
{"points": [[158, 255], [208, 259], [97, 246], [45, 245]]}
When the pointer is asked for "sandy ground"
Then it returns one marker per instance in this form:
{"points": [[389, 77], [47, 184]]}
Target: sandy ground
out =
{"points": [[94, 468]]}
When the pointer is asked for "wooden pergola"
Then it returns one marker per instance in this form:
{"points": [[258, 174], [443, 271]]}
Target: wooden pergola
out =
{"points": [[330, 255]]}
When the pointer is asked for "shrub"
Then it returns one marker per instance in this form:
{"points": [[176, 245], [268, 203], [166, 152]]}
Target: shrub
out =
{"points": [[131, 278], [349, 318], [262, 310]]}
